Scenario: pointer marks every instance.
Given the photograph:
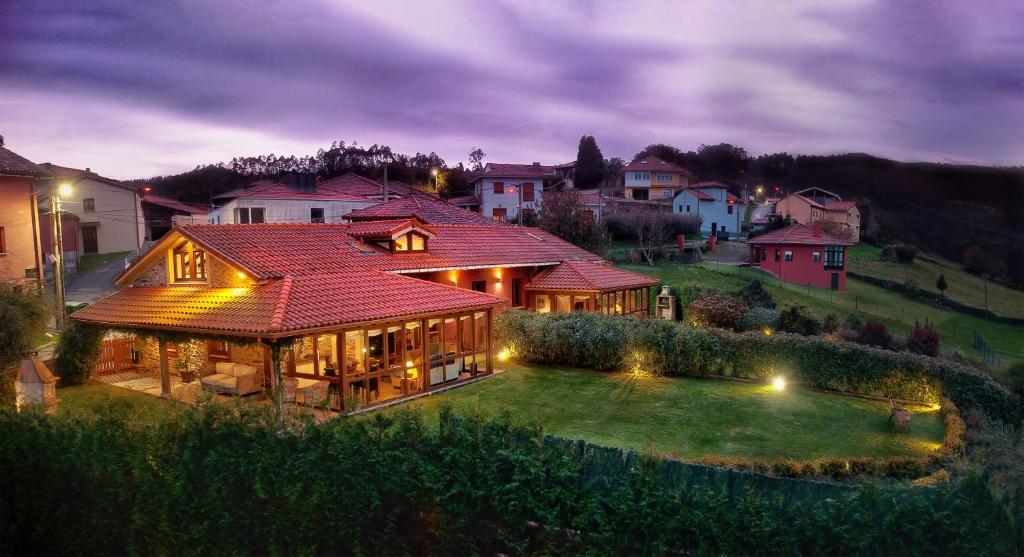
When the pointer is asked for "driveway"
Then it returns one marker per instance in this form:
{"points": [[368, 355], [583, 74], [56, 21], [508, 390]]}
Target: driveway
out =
{"points": [[91, 285], [762, 211]]}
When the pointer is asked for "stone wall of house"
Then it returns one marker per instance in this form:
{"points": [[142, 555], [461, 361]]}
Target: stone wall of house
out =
{"points": [[248, 354], [223, 275], [155, 275]]}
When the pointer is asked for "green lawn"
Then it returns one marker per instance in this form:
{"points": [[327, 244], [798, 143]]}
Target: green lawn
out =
{"points": [[88, 262], [865, 300], [92, 396], [925, 270], [688, 418]]}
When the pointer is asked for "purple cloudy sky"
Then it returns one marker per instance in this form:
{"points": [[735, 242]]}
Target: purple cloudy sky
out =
{"points": [[140, 88]]}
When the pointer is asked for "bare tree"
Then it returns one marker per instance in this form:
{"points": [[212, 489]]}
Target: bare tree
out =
{"points": [[651, 227]]}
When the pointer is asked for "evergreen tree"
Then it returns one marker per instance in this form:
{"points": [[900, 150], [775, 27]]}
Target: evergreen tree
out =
{"points": [[589, 164], [941, 284]]}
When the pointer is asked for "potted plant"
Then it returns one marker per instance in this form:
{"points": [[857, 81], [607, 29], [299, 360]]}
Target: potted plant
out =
{"points": [[189, 362]]}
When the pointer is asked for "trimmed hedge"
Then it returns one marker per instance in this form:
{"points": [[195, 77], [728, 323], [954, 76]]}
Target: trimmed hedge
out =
{"points": [[212, 482], [602, 342]]}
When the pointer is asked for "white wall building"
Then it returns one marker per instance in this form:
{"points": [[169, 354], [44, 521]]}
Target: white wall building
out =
{"points": [[110, 217], [283, 203]]}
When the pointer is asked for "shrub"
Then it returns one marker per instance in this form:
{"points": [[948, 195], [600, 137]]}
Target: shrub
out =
{"points": [[831, 323], [854, 322], [900, 253], [22, 319], [1015, 378], [77, 350], [716, 310], [799, 319], [759, 318], [875, 333], [922, 340], [603, 342], [754, 294]]}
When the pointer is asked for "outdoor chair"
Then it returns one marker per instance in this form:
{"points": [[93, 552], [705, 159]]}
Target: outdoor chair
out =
{"points": [[900, 416], [234, 379]]}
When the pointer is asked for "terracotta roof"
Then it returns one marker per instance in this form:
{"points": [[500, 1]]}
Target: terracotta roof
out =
{"points": [[282, 305], [511, 170], [283, 191], [799, 234], [654, 164], [426, 208], [385, 228], [710, 184], [276, 250], [584, 275], [173, 204], [465, 200], [79, 174], [699, 194], [566, 165], [840, 206], [354, 184], [14, 164]]}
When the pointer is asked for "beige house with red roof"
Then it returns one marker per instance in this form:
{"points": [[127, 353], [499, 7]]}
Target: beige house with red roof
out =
{"points": [[350, 314], [815, 205], [651, 178]]}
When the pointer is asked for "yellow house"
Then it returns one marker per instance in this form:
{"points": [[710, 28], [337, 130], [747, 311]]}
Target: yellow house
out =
{"points": [[110, 213], [650, 178], [815, 205]]}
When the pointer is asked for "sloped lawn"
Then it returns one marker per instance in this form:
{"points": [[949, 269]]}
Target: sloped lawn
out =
{"points": [[95, 397], [688, 418]]}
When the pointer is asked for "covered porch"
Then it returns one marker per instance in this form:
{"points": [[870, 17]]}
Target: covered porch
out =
{"points": [[585, 286]]}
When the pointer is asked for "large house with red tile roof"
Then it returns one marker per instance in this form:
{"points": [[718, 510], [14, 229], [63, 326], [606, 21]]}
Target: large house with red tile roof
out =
{"points": [[651, 178], [368, 311], [426, 208], [816, 205], [20, 249], [802, 254], [720, 211]]}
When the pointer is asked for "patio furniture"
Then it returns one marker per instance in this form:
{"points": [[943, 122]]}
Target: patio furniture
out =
{"points": [[234, 379], [311, 391], [900, 417]]}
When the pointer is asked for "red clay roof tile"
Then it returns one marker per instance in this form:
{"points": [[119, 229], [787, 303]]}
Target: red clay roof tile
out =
{"points": [[799, 234], [584, 275]]}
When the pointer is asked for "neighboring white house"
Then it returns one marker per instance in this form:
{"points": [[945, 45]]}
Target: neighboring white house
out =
{"points": [[501, 187], [719, 210], [298, 201], [110, 217]]}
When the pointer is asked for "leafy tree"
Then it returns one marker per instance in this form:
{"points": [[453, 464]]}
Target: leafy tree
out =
{"points": [[77, 350], [875, 333], [941, 284], [564, 215], [589, 164], [22, 318], [775, 168], [716, 310], [476, 159], [723, 160], [922, 339], [613, 171]]}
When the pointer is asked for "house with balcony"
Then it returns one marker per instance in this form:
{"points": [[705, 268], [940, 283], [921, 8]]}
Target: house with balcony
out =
{"points": [[501, 190], [20, 243], [816, 205], [803, 255], [110, 216], [651, 178], [348, 315], [721, 212]]}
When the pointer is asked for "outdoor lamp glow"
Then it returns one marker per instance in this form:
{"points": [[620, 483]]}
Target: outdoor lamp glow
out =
{"points": [[433, 172], [779, 383], [65, 190]]}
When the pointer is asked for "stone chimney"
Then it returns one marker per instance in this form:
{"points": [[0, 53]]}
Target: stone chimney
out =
{"points": [[816, 229]]}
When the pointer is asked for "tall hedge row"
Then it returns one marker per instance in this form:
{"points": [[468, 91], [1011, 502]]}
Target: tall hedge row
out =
{"points": [[603, 342], [212, 482]]}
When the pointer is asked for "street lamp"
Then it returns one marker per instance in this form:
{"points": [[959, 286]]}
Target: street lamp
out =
{"points": [[63, 190], [433, 172]]}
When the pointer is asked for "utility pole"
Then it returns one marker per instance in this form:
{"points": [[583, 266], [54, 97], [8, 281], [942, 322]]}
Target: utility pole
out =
{"points": [[519, 190], [58, 261]]}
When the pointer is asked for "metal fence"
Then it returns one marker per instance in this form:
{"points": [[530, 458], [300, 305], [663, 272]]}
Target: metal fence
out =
{"points": [[987, 355]]}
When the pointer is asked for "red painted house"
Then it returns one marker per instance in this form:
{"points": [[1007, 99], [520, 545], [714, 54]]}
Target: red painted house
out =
{"points": [[802, 254]]}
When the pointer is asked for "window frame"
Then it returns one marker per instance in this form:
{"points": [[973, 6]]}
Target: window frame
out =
{"points": [[787, 255], [499, 187], [218, 349], [248, 212], [831, 260], [503, 217], [323, 215], [479, 286], [528, 193], [89, 204], [198, 273]]}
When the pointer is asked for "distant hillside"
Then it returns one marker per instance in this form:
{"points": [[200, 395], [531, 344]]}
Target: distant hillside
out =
{"points": [[945, 209]]}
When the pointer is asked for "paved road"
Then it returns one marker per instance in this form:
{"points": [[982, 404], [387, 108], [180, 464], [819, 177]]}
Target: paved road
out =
{"points": [[94, 283]]}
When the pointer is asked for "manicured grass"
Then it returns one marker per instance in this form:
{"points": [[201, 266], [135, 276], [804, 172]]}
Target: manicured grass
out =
{"points": [[688, 418], [925, 270], [91, 397], [865, 300], [89, 262]]}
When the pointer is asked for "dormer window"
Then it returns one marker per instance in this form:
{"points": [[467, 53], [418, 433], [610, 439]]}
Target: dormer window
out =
{"points": [[410, 242], [189, 263]]}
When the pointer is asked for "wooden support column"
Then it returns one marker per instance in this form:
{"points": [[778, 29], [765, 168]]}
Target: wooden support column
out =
{"points": [[490, 343], [425, 344], [165, 372], [275, 380]]}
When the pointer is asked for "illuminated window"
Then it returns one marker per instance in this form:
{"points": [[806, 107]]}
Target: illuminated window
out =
{"points": [[189, 263], [410, 242]]}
